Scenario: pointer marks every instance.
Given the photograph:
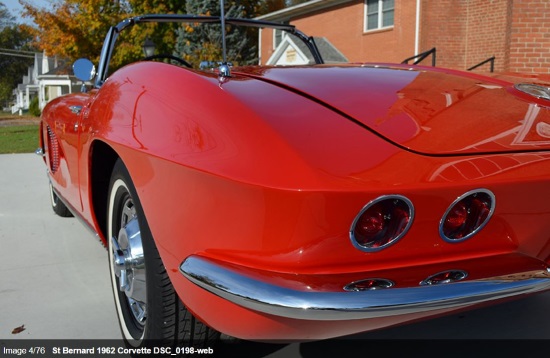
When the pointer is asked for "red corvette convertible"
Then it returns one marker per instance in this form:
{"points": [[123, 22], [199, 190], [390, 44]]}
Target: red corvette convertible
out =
{"points": [[301, 202]]}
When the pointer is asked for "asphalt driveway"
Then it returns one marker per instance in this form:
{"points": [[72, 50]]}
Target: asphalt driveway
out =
{"points": [[54, 284]]}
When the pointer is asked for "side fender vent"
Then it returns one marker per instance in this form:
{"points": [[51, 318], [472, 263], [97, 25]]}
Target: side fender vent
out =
{"points": [[52, 151]]}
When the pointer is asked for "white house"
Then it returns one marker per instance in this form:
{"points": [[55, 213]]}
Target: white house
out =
{"points": [[47, 78]]}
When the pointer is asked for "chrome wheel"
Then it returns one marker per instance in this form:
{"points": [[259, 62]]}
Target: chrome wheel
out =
{"points": [[127, 262], [149, 311]]}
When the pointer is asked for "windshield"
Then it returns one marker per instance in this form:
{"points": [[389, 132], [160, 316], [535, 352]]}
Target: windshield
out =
{"points": [[191, 41]]}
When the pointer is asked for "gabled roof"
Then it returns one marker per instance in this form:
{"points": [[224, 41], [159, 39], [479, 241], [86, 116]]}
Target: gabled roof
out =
{"points": [[329, 53], [300, 9], [63, 69]]}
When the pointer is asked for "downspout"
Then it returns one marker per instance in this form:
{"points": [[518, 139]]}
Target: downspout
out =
{"points": [[260, 46], [417, 29]]}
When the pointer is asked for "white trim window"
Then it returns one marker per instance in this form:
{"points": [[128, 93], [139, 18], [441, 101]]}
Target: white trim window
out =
{"points": [[379, 14], [278, 37]]}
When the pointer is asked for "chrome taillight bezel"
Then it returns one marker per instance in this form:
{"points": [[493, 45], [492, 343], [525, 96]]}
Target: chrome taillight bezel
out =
{"points": [[364, 248], [478, 228], [373, 285], [449, 276]]}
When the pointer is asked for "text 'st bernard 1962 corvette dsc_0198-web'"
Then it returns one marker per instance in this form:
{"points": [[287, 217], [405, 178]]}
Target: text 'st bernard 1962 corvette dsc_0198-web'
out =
{"points": [[283, 203]]}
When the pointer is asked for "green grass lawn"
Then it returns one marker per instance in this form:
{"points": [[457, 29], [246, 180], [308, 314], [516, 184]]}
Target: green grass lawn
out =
{"points": [[18, 139]]}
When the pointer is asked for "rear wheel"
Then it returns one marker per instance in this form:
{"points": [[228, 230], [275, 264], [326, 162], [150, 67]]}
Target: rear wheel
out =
{"points": [[149, 311]]}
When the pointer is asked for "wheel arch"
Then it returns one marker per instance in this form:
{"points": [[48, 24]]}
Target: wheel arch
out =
{"points": [[102, 161]]}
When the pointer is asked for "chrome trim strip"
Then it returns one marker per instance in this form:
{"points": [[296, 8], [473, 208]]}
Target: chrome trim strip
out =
{"points": [[473, 233], [250, 292], [75, 109]]}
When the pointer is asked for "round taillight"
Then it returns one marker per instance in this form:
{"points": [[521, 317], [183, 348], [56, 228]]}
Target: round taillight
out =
{"points": [[467, 215], [381, 222]]}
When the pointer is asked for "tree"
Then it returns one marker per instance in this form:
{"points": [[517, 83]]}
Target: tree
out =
{"points": [[129, 48], [76, 28], [203, 42], [13, 38], [267, 6], [6, 19]]}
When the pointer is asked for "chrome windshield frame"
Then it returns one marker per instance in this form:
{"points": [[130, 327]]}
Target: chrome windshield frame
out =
{"points": [[112, 34]]}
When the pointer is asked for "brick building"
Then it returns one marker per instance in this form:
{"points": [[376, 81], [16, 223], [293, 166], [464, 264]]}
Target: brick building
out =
{"points": [[464, 32]]}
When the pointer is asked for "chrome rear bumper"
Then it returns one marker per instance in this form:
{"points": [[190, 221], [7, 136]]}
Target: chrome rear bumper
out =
{"points": [[243, 289]]}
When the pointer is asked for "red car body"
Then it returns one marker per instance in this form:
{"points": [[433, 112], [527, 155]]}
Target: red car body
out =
{"points": [[250, 186]]}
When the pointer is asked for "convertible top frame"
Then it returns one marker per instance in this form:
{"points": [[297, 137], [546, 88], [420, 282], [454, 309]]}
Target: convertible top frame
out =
{"points": [[113, 32]]}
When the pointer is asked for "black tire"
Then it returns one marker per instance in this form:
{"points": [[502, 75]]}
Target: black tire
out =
{"points": [[162, 320], [58, 206]]}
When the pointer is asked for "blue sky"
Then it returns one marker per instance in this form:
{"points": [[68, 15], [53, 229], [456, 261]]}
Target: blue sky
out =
{"points": [[15, 8]]}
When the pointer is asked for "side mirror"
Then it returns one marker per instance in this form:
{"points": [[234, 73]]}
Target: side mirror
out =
{"points": [[84, 69]]}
